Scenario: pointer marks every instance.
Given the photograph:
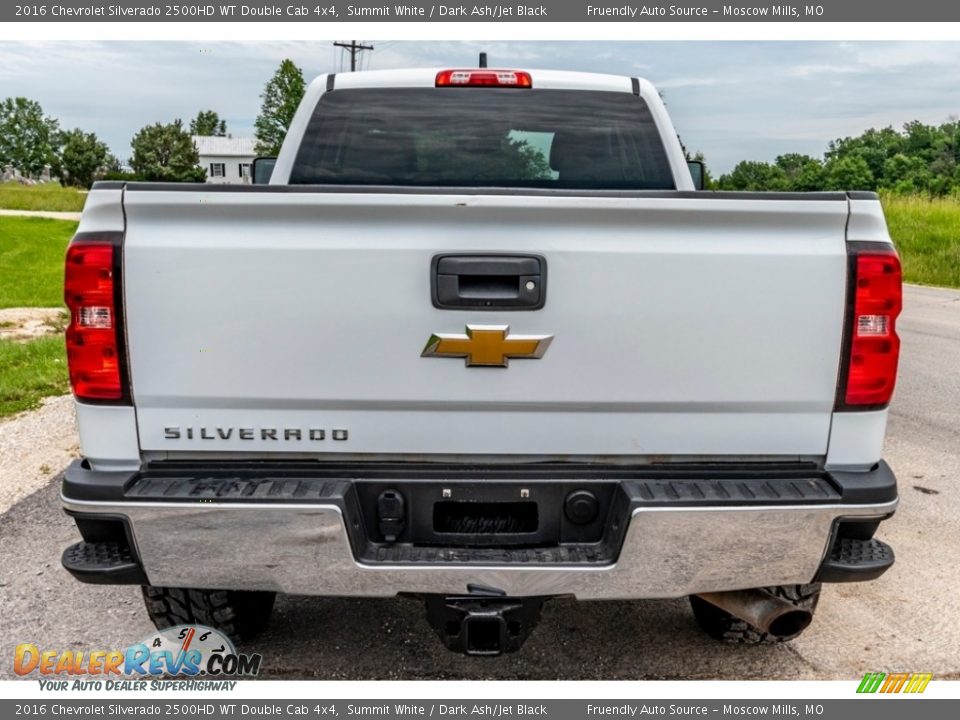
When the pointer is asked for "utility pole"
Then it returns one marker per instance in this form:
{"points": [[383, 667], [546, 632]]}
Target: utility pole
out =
{"points": [[353, 47]]}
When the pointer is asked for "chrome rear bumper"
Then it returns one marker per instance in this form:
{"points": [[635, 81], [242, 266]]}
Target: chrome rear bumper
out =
{"points": [[304, 548]]}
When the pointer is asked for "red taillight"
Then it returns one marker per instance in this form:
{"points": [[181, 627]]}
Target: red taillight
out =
{"points": [[874, 345], [93, 348], [484, 78]]}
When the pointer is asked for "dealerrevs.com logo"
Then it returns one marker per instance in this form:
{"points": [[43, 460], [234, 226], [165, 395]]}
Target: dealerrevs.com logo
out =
{"points": [[181, 651]]}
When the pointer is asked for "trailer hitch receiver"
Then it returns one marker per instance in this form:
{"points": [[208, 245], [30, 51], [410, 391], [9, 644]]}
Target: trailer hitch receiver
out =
{"points": [[483, 625]]}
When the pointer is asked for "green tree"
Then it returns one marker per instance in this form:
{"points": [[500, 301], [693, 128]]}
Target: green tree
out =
{"points": [[753, 175], [921, 140], [281, 96], [82, 158], [804, 173], [166, 153], [874, 146], [113, 164], [28, 139], [906, 174], [848, 173], [810, 178], [208, 122]]}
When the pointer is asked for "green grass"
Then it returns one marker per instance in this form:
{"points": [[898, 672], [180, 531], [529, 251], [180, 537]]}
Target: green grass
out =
{"points": [[31, 275], [30, 372], [927, 235], [49, 196], [31, 261]]}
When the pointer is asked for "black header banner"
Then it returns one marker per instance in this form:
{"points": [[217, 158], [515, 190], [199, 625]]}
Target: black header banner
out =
{"points": [[335, 11]]}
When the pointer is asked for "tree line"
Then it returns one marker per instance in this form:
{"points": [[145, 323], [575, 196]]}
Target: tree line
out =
{"points": [[31, 141], [920, 159]]}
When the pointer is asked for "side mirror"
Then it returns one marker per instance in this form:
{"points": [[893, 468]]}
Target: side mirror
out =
{"points": [[697, 171], [262, 169]]}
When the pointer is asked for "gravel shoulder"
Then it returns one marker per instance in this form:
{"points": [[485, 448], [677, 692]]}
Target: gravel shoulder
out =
{"points": [[22, 324], [51, 214], [34, 446]]}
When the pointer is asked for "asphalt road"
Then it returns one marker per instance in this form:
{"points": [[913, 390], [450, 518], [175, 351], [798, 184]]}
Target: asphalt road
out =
{"points": [[908, 620]]}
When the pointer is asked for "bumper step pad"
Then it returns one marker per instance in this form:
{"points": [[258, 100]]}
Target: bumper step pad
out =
{"points": [[654, 492], [106, 563], [853, 560]]}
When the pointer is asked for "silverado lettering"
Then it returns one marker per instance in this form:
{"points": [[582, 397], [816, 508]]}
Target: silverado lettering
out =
{"points": [[225, 433]]}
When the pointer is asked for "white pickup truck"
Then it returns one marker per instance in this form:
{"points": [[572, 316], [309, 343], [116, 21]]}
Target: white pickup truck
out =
{"points": [[481, 340]]}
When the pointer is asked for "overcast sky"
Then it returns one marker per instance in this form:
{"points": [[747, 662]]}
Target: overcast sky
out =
{"points": [[731, 100]]}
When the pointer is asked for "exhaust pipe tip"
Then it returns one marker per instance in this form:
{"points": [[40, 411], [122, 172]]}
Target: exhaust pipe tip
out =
{"points": [[762, 610], [790, 623]]}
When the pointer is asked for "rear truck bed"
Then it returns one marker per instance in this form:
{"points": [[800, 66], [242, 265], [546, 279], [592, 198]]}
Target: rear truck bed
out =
{"points": [[486, 396]]}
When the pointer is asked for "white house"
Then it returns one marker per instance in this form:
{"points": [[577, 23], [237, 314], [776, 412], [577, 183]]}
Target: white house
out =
{"points": [[226, 159]]}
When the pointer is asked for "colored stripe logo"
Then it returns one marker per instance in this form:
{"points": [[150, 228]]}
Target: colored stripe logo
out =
{"points": [[894, 682]]}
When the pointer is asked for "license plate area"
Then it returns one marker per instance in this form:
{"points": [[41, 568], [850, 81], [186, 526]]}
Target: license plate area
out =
{"points": [[485, 518], [482, 513]]}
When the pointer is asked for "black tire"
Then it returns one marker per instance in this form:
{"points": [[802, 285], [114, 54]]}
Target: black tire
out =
{"points": [[723, 626], [238, 614]]}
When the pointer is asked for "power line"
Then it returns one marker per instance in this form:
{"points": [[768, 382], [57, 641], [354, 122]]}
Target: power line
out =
{"points": [[353, 47]]}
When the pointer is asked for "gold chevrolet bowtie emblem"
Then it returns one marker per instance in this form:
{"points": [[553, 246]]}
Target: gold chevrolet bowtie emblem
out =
{"points": [[487, 345]]}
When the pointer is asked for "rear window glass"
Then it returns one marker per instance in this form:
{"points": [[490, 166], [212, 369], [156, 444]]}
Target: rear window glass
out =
{"points": [[483, 137]]}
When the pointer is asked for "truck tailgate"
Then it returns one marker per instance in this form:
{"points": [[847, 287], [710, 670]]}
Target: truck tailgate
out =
{"points": [[681, 325]]}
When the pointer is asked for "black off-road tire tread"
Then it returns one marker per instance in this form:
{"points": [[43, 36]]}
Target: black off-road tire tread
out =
{"points": [[723, 626], [239, 615], [167, 606]]}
